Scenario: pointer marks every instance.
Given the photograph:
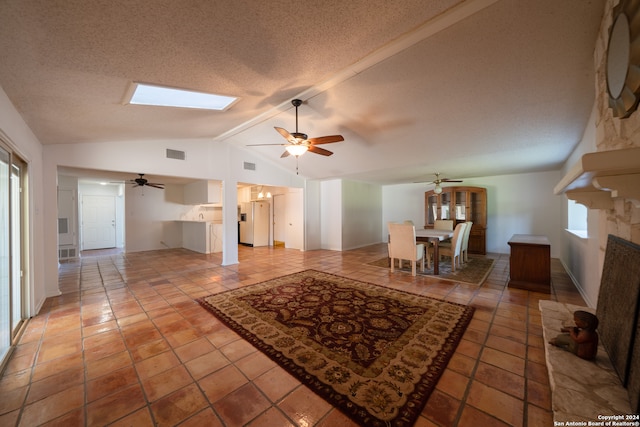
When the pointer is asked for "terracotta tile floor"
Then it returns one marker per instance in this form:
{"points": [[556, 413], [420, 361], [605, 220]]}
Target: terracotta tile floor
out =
{"points": [[126, 345]]}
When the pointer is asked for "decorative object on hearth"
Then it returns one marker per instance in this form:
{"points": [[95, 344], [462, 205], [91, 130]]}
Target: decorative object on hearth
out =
{"points": [[623, 62], [373, 352], [581, 339]]}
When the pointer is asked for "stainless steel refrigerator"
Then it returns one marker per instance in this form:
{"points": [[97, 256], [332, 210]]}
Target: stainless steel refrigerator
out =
{"points": [[254, 223]]}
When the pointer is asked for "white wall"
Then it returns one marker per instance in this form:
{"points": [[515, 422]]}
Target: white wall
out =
{"points": [[312, 215], [580, 255], [331, 215], [68, 185], [361, 214], [516, 204], [403, 202], [151, 215], [521, 204], [350, 214]]}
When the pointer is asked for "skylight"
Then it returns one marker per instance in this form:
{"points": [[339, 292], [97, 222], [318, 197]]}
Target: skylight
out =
{"points": [[145, 94]]}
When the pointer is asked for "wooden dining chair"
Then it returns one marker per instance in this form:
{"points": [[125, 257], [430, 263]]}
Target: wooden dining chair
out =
{"points": [[403, 246], [464, 256], [443, 224], [455, 249], [465, 242]]}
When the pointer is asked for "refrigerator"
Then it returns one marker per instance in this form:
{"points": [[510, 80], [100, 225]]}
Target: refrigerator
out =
{"points": [[254, 223]]}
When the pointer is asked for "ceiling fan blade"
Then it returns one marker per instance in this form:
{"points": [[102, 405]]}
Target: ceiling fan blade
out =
{"points": [[160, 186], [325, 139], [319, 150], [451, 180], [258, 145], [285, 154], [285, 134]]}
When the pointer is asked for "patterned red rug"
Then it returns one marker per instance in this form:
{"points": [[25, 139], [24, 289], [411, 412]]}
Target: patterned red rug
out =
{"points": [[373, 352]]}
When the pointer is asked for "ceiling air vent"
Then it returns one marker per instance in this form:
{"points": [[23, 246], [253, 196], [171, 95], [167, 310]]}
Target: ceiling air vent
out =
{"points": [[249, 166], [176, 154]]}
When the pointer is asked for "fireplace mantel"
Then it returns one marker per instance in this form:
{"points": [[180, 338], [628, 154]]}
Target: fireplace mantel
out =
{"points": [[600, 177]]}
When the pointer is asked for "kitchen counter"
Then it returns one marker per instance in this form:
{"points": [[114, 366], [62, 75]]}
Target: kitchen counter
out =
{"points": [[202, 236]]}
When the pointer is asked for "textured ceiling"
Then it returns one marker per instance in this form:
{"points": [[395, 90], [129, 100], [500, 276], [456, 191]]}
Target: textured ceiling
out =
{"points": [[473, 88]]}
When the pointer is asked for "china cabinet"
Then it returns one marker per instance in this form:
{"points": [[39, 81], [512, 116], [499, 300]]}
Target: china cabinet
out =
{"points": [[460, 204]]}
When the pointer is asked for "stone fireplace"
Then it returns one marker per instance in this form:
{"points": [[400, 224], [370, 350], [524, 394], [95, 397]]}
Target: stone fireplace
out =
{"points": [[583, 390], [606, 179]]}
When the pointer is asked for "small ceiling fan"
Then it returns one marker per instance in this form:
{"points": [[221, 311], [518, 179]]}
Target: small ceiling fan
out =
{"points": [[142, 182], [438, 181], [298, 143]]}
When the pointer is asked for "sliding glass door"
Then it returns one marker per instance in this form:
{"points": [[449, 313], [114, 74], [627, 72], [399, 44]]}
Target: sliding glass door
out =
{"points": [[5, 253], [18, 294], [13, 310]]}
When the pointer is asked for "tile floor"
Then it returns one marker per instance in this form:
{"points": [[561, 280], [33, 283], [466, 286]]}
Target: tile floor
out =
{"points": [[126, 345]]}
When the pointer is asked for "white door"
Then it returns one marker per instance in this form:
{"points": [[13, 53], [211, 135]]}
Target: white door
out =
{"points": [[98, 222], [295, 215], [279, 220], [261, 227]]}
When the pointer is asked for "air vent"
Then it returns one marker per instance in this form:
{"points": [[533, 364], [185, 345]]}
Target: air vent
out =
{"points": [[67, 252], [249, 166], [176, 154]]}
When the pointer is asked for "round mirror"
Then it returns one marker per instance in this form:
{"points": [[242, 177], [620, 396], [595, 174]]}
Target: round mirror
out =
{"points": [[618, 55]]}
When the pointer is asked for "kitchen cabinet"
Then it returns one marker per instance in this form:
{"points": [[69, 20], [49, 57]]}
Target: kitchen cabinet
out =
{"points": [[202, 193], [460, 204]]}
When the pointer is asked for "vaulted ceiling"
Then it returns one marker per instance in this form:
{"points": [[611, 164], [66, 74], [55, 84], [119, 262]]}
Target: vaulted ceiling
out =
{"points": [[466, 88]]}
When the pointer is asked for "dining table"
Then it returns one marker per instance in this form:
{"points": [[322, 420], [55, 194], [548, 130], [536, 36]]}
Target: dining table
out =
{"points": [[430, 235]]}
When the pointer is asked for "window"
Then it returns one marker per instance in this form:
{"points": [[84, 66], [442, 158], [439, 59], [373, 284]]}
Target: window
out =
{"points": [[577, 218], [172, 97]]}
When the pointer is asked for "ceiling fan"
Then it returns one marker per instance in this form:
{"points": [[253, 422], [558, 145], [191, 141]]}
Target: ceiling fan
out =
{"points": [[142, 182], [438, 181], [298, 143]]}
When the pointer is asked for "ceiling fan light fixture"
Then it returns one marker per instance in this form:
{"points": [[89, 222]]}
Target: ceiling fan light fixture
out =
{"points": [[299, 136], [438, 189], [296, 149]]}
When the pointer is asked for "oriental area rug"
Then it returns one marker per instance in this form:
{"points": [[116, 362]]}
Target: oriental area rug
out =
{"points": [[374, 353], [474, 271]]}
